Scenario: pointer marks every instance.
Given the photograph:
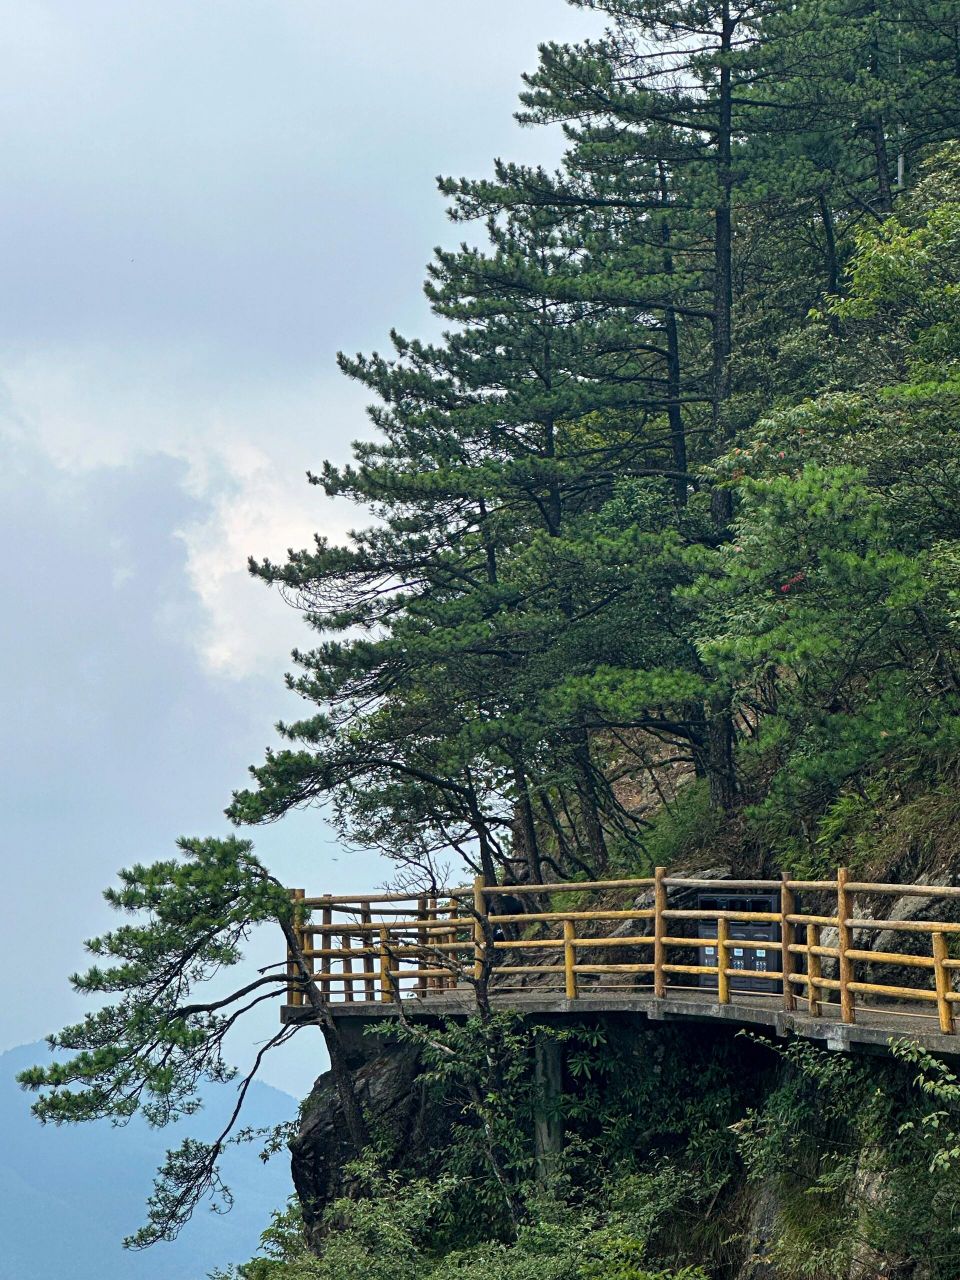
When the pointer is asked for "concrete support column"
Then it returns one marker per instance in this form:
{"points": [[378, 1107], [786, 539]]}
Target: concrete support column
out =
{"points": [[548, 1119]]}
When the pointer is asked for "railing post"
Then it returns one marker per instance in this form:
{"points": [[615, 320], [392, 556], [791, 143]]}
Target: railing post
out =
{"points": [[479, 936], [305, 939], [788, 933], [423, 937], [369, 981], [450, 982], [347, 970], [659, 932], [326, 944], [814, 971], [569, 959], [294, 988], [723, 981], [944, 985], [844, 940], [386, 982]]}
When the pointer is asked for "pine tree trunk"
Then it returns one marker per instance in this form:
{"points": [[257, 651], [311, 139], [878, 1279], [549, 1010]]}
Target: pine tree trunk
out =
{"points": [[875, 127], [720, 766], [339, 1066], [587, 797], [343, 1082], [831, 262], [882, 159], [723, 233], [528, 826], [678, 439], [720, 735]]}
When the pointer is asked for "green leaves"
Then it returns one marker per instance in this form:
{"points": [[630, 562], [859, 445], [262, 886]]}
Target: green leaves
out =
{"points": [[160, 1038]]}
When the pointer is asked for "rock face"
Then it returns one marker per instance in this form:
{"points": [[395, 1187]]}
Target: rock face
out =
{"points": [[760, 1232], [400, 1112]]}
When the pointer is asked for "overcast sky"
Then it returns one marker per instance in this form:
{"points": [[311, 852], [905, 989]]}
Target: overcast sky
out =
{"points": [[203, 200]]}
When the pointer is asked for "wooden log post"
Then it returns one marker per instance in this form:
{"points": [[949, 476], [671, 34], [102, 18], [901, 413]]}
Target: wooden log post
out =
{"points": [[944, 985], [304, 938], [433, 983], [788, 933], [844, 945], [386, 982], [450, 982], [723, 940], [659, 933], [570, 959], [814, 971], [422, 940], [326, 942], [369, 981], [479, 936], [347, 970], [294, 988]]}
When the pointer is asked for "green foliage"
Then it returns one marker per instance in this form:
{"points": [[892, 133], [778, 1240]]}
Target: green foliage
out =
{"points": [[865, 1157], [683, 828], [859, 1156], [388, 1237], [151, 1047]]}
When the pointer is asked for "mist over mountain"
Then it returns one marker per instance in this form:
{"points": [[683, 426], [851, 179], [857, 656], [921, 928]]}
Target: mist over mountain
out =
{"points": [[68, 1196]]}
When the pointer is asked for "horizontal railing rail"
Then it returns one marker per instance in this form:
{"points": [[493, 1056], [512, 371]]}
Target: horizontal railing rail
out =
{"points": [[374, 948]]}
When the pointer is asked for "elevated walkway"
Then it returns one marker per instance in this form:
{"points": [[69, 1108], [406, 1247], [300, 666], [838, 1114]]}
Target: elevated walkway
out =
{"points": [[623, 947]]}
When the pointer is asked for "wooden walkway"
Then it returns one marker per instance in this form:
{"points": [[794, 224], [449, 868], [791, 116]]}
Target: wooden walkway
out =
{"points": [[807, 963]]}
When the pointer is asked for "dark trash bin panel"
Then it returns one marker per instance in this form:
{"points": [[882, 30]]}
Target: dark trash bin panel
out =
{"points": [[748, 961]]}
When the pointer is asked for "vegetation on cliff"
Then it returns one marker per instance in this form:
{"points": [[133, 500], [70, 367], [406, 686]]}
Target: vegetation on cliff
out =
{"points": [[662, 556], [690, 1155]]}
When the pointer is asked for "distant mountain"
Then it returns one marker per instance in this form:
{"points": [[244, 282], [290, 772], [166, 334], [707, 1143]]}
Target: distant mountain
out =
{"points": [[68, 1196]]}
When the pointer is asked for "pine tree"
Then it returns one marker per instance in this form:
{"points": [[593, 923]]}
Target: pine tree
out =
{"points": [[482, 591]]}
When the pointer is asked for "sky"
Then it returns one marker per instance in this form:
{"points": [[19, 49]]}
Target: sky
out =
{"points": [[203, 201]]}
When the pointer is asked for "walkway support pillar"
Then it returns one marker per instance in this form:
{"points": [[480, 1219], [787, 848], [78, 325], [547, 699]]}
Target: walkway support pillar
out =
{"points": [[548, 1116]]}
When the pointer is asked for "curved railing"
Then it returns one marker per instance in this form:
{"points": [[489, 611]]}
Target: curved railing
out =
{"points": [[373, 948]]}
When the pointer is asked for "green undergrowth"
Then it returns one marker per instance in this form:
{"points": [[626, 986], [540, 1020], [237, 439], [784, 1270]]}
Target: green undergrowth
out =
{"points": [[686, 829], [388, 1237], [687, 1153], [896, 823], [888, 826]]}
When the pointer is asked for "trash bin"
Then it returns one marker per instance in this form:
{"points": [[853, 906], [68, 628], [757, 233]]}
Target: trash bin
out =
{"points": [[746, 960]]}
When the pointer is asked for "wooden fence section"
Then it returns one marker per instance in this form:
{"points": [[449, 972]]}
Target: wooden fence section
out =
{"points": [[375, 948]]}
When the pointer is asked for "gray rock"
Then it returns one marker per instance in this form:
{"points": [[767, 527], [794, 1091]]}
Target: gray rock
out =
{"points": [[760, 1234], [399, 1110]]}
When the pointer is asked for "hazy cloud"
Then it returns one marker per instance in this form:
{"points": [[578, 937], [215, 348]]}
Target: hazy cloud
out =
{"points": [[203, 201]]}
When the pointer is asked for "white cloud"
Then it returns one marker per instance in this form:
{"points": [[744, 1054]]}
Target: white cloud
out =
{"points": [[257, 512], [244, 461]]}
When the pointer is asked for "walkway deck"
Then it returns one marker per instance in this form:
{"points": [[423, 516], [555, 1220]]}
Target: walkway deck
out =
{"points": [[871, 1034]]}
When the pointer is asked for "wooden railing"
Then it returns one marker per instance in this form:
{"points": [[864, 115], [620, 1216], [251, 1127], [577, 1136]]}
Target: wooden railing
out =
{"points": [[384, 947]]}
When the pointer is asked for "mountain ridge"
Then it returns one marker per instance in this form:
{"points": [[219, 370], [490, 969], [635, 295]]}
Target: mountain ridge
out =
{"points": [[68, 1196]]}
